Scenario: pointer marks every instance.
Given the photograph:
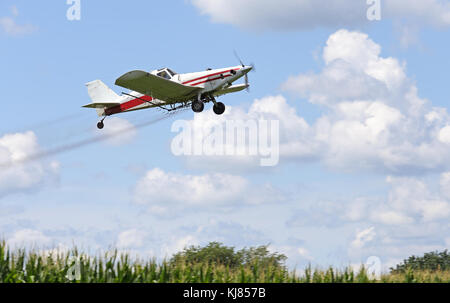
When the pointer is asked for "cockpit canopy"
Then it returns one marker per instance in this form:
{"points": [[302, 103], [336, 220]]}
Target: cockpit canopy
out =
{"points": [[166, 73]]}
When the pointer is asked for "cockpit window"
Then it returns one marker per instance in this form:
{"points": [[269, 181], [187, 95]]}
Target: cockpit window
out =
{"points": [[164, 74], [171, 72]]}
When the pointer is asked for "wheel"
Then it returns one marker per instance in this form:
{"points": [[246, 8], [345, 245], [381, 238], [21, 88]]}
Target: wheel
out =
{"points": [[100, 125], [219, 108], [198, 106]]}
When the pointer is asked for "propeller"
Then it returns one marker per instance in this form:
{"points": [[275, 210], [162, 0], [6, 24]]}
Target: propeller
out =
{"points": [[243, 65]]}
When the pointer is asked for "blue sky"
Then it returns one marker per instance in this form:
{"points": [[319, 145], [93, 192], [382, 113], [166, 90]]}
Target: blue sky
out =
{"points": [[347, 186]]}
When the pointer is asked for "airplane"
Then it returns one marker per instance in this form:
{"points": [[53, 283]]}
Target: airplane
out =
{"points": [[167, 90]]}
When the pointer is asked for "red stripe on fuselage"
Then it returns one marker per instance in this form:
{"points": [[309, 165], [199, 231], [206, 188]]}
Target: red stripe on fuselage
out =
{"points": [[196, 79], [210, 80], [128, 105]]}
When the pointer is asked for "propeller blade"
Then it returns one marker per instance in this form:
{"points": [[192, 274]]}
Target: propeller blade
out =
{"points": [[239, 59], [246, 83]]}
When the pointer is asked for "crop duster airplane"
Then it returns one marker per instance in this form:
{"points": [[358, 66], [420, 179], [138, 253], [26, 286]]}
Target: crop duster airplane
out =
{"points": [[167, 90]]}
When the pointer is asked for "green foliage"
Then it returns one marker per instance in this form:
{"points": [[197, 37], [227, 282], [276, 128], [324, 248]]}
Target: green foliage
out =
{"points": [[217, 253], [432, 261], [193, 265], [214, 252]]}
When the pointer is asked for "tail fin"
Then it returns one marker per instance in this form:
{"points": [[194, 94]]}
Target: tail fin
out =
{"points": [[102, 96], [100, 93]]}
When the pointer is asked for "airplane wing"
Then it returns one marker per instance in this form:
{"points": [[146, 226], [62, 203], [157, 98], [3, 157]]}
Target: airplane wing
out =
{"points": [[157, 87], [231, 89]]}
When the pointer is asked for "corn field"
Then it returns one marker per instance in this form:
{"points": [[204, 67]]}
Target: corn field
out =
{"points": [[33, 266]]}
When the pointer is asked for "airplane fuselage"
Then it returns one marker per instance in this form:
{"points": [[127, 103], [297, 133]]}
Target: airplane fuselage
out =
{"points": [[166, 89], [210, 81]]}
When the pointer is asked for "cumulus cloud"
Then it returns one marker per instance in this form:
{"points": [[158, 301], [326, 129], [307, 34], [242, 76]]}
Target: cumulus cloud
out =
{"points": [[308, 14], [19, 177], [170, 193], [375, 119]]}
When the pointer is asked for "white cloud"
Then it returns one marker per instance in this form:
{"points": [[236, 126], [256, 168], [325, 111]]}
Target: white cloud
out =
{"points": [[308, 14], [284, 14], [391, 217], [12, 28], [353, 70], [444, 134], [375, 119], [409, 202], [293, 140], [28, 237], [132, 238], [412, 196], [363, 237], [445, 185], [169, 193], [21, 177], [119, 131]]}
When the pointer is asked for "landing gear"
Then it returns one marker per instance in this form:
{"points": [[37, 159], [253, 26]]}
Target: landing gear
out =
{"points": [[198, 106], [100, 124], [219, 108]]}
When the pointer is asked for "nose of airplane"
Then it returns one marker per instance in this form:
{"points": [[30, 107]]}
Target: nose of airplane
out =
{"points": [[246, 69]]}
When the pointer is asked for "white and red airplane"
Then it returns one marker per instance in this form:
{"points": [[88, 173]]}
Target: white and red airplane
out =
{"points": [[166, 89]]}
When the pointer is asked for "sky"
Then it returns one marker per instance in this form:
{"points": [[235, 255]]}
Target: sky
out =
{"points": [[362, 107]]}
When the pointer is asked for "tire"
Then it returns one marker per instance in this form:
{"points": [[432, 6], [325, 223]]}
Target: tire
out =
{"points": [[198, 106], [100, 125], [219, 108]]}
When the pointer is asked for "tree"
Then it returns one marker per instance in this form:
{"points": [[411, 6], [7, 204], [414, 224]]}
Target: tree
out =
{"points": [[262, 256], [429, 261], [218, 253]]}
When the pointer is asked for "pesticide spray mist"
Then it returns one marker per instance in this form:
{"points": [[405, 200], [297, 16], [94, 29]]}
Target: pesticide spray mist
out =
{"points": [[84, 142]]}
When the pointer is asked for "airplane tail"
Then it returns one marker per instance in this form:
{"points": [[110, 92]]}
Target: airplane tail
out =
{"points": [[102, 96]]}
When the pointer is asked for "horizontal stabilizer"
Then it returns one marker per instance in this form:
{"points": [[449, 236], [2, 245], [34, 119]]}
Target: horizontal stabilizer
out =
{"points": [[100, 105]]}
